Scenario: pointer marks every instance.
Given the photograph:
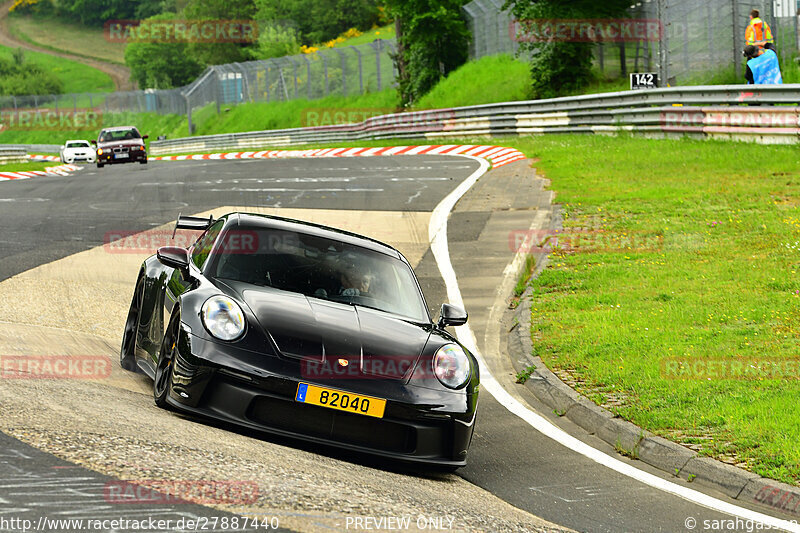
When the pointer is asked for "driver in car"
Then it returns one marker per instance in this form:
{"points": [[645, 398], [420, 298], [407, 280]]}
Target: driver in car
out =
{"points": [[354, 282]]}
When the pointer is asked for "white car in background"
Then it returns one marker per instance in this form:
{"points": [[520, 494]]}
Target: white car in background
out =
{"points": [[78, 150]]}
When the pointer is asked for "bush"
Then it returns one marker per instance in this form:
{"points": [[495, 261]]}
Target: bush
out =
{"points": [[318, 21], [562, 67], [161, 65], [433, 40], [276, 40], [21, 77]]}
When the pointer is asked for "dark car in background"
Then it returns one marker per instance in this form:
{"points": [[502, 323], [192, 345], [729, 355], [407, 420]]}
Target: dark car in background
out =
{"points": [[303, 331], [122, 144]]}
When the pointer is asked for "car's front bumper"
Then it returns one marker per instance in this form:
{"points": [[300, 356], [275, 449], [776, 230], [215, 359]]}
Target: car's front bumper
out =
{"points": [[109, 158], [419, 424], [88, 158]]}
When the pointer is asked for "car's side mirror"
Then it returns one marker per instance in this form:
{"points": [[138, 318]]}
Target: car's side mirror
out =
{"points": [[452, 315], [144, 137], [174, 257], [93, 141]]}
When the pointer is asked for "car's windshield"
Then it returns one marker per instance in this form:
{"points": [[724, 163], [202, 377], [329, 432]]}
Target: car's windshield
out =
{"points": [[318, 268], [119, 135], [77, 144]]}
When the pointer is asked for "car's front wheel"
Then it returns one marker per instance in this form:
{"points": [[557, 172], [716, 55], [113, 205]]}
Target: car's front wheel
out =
{"points": [[166, 357], [127, 353], [99, 164]]}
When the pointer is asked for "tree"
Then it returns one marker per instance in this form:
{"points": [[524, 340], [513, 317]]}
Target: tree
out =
{"points": [[161, 65], [219, 53], [318, 21], [559, 67], [276, 40], [432, 39]]}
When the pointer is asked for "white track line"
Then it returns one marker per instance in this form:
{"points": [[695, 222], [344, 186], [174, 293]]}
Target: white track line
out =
{"points": [[437, 234]]}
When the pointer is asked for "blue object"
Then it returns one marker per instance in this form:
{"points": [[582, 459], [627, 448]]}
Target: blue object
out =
{"points": [[302, 390], [765, 69]]}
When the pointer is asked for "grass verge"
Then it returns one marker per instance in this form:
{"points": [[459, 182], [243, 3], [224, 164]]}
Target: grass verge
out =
{"points": [[151, 124], [679, 260], [60, 36], [27, 167], [77, 77]]}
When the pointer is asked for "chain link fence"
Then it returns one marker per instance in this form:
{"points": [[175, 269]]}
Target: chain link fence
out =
{"points": [[700, 41], [329, 71]]}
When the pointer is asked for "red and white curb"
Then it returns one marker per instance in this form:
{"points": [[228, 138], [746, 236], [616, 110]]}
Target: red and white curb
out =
{"points": [[497, 156], [60, 170], [39, 157]]}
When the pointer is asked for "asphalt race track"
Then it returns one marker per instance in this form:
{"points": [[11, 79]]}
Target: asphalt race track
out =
{"points": [[54, 229]]}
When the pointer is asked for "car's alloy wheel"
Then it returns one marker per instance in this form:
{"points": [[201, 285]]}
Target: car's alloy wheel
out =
{"points": [[127, 353], [166, 357]]}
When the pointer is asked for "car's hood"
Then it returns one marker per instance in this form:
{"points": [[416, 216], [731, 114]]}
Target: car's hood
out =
{"points": [[322, 332]]}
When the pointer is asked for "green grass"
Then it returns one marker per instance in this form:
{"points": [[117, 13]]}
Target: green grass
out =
{"points": [[77, 77], [385, 32], [499, 78], [62, 36], [290, 114], [150, 124], [32, 165], [695, 257]]}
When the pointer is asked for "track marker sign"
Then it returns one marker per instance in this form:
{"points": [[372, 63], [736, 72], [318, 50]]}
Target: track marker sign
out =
{"points": [[644, 80]]}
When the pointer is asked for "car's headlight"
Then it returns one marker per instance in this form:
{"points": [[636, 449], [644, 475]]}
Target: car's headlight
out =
{"points": [[223, 318], [99, 151], [451, 366]]}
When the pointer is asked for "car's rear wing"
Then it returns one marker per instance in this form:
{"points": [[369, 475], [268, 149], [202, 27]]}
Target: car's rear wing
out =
{"points": [[193, 223]]}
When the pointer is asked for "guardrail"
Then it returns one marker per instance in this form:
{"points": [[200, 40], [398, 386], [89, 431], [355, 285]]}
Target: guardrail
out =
{"points": [[763, 113], [35, 148], [13, 155]]}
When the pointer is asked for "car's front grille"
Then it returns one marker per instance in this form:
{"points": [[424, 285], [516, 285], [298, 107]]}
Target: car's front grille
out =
{"points": [[120, 150], [325, 423]]}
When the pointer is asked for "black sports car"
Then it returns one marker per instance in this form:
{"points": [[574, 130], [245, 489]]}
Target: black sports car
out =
{"points": [[304, 331]]}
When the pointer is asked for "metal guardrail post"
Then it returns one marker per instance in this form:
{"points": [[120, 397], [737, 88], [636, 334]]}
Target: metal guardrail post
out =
{"points": [[360, 70], [377, 45], [737, 43], [344, 70], [308, 75], [663, 44], [294, 73], [325, 68], [189, 114]]}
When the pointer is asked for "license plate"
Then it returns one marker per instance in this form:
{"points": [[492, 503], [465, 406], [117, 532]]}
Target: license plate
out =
{"points": [[340, 400], [120, 156]]}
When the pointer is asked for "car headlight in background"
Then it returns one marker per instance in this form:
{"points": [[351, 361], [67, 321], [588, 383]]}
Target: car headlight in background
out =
{"points": [[223, 318], [451, 366]]}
